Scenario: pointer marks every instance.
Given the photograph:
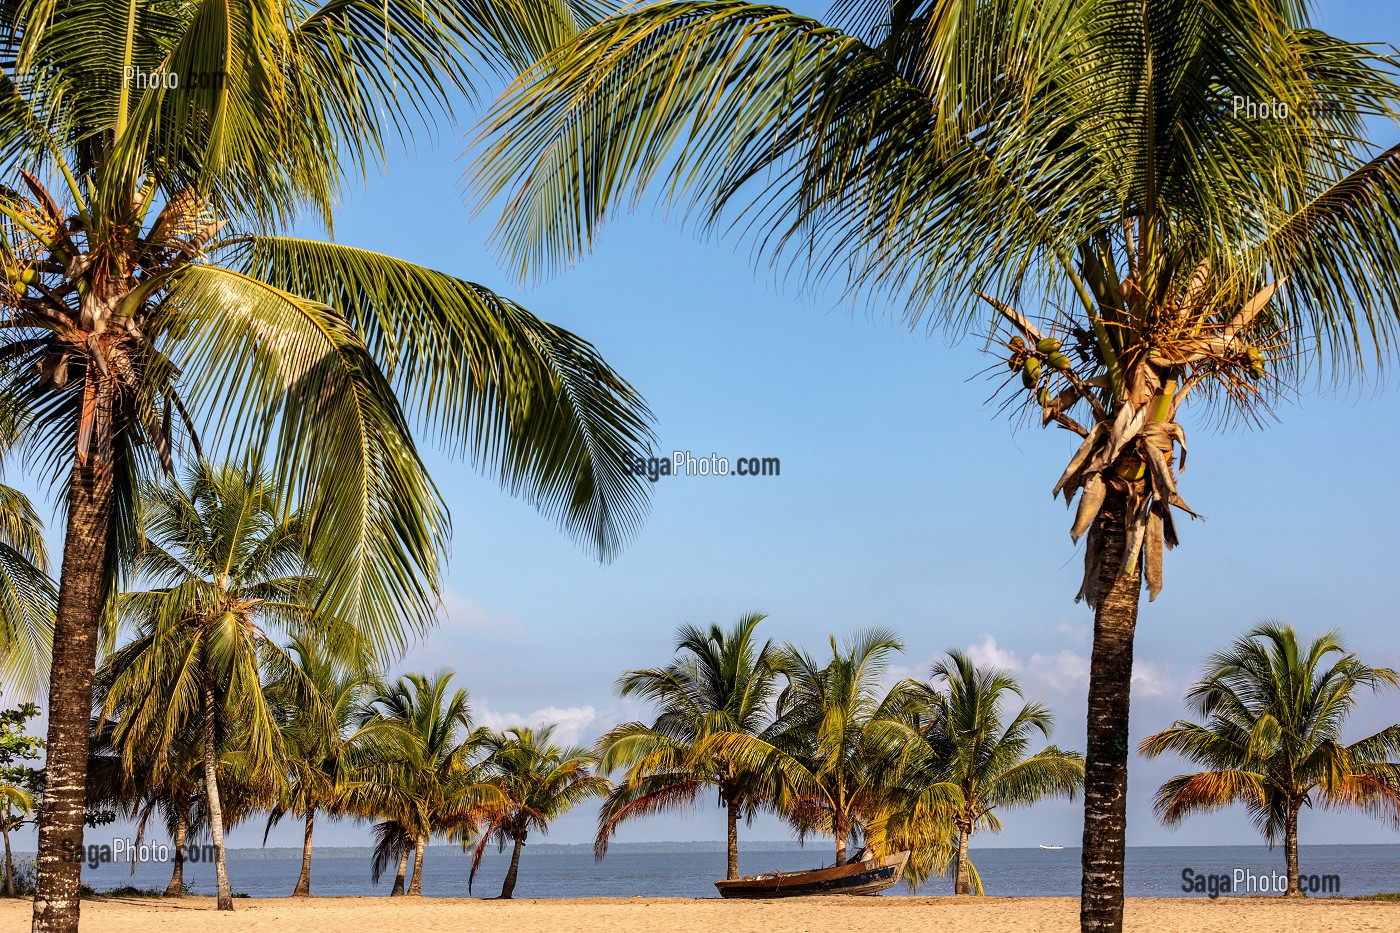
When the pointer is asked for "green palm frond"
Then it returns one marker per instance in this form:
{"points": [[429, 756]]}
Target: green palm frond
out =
{"points": [[529, 400], [27, 597]]}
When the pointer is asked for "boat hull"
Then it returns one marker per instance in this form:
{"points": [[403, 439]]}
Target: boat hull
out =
{"points": [[870, 876]]}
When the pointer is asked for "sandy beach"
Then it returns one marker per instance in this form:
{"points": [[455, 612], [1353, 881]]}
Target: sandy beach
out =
{"points": [[676, 915]]}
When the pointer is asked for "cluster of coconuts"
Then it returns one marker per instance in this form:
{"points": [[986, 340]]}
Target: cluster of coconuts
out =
{"points": [[1032, 363], [1254, 359], [20, 277]]}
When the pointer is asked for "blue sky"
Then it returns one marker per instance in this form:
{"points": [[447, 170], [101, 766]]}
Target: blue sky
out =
{"points": [[904, 501]]}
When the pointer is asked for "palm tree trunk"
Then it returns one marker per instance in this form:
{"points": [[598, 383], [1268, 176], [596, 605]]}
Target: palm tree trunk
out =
{"points": [[1106, 760], [398, 878], [176, 887], [508, 887], [842, 831], [80, 593], [962, 878], [211, 791], [9, 859], [733, 817], [1290, 849], [303, 888], [415, 887]]}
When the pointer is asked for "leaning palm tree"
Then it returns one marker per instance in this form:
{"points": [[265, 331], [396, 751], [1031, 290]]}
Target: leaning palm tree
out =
{"points": [[1272, 714], [1093, 173], [722, 681], [322, 747], [985, 752], [541, 781], [228, 571], [150, 307]]}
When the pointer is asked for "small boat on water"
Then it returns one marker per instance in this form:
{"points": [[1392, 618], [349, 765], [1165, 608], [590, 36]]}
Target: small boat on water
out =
{"points": [[864, 876], [1052, 848]]}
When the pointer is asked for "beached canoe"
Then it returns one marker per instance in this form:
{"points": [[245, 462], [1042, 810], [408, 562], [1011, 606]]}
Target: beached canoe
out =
{"points": [[867, 876]]}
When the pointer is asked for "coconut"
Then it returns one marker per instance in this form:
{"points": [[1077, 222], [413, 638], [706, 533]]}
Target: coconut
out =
{"points": [[1027, 379], [1048, 345], [1043, 396], [1032, 370], [1059, 361]]}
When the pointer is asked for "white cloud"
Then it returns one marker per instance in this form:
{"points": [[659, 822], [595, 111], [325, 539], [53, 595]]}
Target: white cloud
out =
{"points": [[1150, 680], [1065, 671], [1062, 671], [985, 653], [572, 722]]}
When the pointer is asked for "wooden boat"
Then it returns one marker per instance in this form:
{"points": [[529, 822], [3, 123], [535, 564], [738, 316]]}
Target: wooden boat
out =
{"points": [[1053, 848], [867, 876]]}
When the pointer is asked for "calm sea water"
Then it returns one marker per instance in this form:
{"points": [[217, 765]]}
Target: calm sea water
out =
{"points": [[1151, 871]]}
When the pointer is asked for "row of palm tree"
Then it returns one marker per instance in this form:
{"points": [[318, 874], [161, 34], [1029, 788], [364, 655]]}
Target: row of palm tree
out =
{"points": [[925, 765], [229, 691], [232, 696], [823, 742]]}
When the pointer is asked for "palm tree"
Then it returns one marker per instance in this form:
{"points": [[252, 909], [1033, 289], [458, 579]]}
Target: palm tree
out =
{"points": [[229, 570], [985, 753], [722, 681], [432, 783], [1270, 734], [1078, 167], [149, 307], [833, 754], [322, 754], [541, 782]]}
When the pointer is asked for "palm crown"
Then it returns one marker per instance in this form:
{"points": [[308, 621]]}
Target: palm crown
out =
{"points": [[722, 681]]}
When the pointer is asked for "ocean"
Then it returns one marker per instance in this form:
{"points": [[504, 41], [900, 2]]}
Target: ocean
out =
{"points": [[567, 871]]}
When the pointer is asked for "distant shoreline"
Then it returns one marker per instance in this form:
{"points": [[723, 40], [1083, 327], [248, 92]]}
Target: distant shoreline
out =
{"points": [[696, 846]]}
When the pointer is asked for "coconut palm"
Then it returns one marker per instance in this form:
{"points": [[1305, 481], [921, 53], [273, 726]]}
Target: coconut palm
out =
{"points": [[432, 783], [721, 681], [1272, 713], [27, 596], [1079, 169], [150, 307], [229, 572], [541, 782], [322, 751], [834, 752], [983, 745]]}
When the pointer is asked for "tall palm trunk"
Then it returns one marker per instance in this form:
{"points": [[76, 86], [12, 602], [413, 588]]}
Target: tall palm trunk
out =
{"points": [[211, 791], [733, 817], [303, 888], [80, 593], [962, 877], [1106, 758], [9, 859], [399, 877], [508, 886], [1290, 850], [176, 887], [415, 887], [843, 829]]}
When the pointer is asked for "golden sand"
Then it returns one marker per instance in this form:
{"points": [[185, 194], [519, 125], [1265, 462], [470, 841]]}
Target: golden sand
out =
{"points": [[675, 915]]}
